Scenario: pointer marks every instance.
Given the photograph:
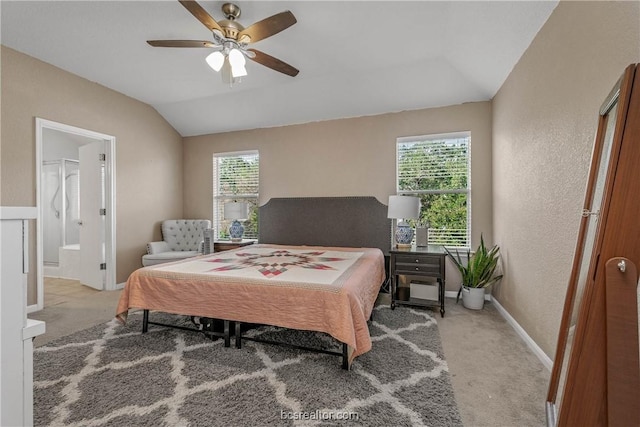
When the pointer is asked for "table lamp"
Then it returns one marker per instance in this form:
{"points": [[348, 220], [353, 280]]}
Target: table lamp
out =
{"points": [[402, 208]]}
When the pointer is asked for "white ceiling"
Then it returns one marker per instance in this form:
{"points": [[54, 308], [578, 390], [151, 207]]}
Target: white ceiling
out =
{"points": [[355, 58]]}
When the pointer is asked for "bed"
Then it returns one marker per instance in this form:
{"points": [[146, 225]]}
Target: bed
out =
{"points": [[319, 267]]}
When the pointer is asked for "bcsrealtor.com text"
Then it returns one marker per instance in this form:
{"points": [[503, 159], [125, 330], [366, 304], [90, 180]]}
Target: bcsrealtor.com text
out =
{"points": [[319, 415]]}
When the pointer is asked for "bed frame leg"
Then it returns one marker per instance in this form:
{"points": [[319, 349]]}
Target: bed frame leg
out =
{"points": [[345, 357], [145, 321], [227, 336], [238, 335]]}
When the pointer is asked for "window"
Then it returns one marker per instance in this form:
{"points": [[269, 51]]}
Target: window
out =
{"points": [[436, 168], [235, 179]]}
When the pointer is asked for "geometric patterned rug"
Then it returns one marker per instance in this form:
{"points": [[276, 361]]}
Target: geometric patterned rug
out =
{"points": [[112, 375]]}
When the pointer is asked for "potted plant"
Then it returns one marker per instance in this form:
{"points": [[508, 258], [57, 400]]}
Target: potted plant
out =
{"points": [[477, 274]]}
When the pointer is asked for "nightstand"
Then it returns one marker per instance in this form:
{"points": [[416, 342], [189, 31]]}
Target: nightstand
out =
{"points": [[227, 245], [420, 263]]}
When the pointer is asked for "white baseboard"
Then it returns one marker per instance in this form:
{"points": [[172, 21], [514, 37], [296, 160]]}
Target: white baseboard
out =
{"points": [[51, 271], [542, 356], [454, 294], [120, 286]]}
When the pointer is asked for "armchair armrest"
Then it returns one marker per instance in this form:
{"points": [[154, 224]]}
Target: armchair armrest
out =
{"points": [[157, 247]]}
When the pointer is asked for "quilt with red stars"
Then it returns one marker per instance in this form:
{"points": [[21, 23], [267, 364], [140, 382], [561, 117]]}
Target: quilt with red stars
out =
{"points": [[272, 266]]}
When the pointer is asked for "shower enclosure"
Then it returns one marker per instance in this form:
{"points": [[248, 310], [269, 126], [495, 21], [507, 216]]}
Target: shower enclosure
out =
{"points": [[61, 207]]}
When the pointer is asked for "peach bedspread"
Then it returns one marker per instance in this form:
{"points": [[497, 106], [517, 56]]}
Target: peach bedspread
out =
{"points": [[323, 289]]}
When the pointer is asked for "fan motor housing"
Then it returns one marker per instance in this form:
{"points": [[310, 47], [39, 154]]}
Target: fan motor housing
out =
{"points": [[230, 28]]}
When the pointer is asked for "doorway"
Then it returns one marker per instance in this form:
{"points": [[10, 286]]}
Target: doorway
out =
{"points": [[75, 193]]}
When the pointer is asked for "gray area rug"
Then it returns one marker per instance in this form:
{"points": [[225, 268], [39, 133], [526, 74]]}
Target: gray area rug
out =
{"points": [[112, 375]]}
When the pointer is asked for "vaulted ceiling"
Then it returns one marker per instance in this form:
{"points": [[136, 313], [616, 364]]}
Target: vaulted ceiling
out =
{"points": [[355, 58]]}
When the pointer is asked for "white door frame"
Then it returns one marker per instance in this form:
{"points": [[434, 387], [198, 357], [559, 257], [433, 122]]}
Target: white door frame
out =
{"points": [[110, 200]]}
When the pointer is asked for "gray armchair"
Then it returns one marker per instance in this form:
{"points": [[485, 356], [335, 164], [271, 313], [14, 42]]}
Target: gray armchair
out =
{"points": [[182, 238]]}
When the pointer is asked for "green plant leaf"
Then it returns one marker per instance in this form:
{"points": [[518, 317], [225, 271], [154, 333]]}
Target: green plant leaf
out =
{"points": [[481, 266]]}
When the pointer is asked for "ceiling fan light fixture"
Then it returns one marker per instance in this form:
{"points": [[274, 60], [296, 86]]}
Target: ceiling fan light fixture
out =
{"points": [[231, 40], [215, 60], [236, 58], [238, 71], [237, 62]]}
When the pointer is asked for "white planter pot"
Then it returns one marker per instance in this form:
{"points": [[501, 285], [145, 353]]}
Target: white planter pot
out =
{"points": [[473, 298]]}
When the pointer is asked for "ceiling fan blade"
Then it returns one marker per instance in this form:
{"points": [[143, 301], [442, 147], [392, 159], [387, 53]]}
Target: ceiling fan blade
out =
{"points": [[273, 63], [201, 14], [181, 43], [268, 26]]}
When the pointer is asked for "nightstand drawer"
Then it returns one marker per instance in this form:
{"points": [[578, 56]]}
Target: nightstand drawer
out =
{"points": [[404, 268], [418, 259]]}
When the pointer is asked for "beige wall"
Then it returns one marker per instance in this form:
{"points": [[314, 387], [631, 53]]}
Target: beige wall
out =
{"points": [[348, 157], [149, 150], [544, 124]]}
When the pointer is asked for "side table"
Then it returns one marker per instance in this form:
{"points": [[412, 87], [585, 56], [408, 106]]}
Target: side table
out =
{"points": [[427, 261], [227, 245]]}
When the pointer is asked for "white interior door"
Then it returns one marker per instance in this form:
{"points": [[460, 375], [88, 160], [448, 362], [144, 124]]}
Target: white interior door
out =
{"points": [[92, 222]]}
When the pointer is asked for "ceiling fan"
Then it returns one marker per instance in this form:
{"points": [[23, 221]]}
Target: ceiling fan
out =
{"points": [[231, 40]]}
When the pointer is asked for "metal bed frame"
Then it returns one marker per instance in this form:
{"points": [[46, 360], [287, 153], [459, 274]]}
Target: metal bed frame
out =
{"points": [[226, 335]]}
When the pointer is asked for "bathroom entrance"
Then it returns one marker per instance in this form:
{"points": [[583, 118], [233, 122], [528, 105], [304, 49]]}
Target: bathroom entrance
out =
{"points": [[61, 216], [75, 228]]}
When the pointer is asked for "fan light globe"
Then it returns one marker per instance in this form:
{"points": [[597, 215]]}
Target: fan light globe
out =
{"points": [[237, 61], [236, 58], [238, 71], [215, 60]]}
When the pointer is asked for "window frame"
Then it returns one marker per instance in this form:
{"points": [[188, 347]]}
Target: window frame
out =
{"points": [[218, 219], [418, 193]]}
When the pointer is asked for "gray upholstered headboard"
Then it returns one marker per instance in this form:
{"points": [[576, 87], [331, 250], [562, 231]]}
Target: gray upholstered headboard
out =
{"points": [[326, 221]]}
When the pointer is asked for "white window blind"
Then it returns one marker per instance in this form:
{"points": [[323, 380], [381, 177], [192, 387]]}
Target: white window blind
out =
{"points": [[236, 178], [436, 168]]}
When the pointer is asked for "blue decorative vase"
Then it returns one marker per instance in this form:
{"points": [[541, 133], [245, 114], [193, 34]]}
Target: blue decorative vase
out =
{"points": [[236, 230], [404, 234]]}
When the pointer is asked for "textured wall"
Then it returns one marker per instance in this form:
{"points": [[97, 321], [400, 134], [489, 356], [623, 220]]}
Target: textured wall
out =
{"points": [[544, 124], [348, 157], [148, 149]]}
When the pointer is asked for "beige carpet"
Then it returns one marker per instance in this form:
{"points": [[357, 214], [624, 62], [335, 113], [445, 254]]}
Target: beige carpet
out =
{"points": [[496, 379], [71, 307]]}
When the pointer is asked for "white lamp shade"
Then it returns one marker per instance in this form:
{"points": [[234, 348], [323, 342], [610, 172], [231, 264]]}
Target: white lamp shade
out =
{"points": [[404, 207], [236, 58], [236, 210], [238, 71], [232, 64], [215, 60], [237, 61]]}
